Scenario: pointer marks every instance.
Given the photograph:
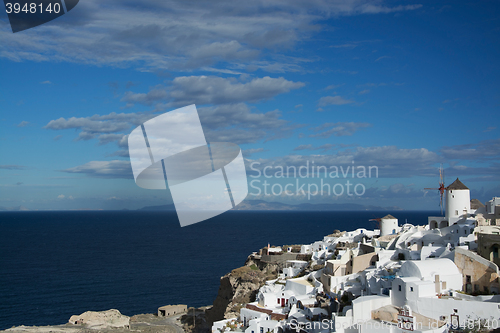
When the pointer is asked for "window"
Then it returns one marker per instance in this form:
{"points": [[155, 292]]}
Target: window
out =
{"points": [[262, 330], [399, 287], [411, 288]]}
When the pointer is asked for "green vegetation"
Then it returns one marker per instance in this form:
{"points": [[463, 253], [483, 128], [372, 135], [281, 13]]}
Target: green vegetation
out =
{"points": [[246, 273]]}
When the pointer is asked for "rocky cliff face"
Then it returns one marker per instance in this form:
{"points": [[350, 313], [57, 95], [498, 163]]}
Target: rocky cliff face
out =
{"points": [[239, 287]]}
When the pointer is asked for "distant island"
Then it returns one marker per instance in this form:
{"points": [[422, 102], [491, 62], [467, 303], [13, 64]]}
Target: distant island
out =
{"points": [[260, 205]]}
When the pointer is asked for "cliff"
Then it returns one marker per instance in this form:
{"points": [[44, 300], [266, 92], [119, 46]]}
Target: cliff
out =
{"points": [[239, 287]]}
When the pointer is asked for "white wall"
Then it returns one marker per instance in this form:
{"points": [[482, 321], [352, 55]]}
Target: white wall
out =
{"points": [[248, 314], [299, 288], [387, 226], [363, 306], [457, 201], [435, 307]]}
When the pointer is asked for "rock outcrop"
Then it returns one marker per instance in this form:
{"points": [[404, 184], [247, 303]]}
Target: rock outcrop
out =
{"points": [[239, 287], [100, 320]]}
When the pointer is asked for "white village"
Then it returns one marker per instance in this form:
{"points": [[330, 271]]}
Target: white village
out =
{"points": [[438, 277]]}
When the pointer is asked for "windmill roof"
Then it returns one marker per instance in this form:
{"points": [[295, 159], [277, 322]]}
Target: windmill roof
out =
{"points": [[388, 216], [475, 204], [457, 185]]}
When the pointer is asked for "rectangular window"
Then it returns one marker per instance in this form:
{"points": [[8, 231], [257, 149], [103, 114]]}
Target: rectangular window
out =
{"points": [[411, 288], [399, 287]]}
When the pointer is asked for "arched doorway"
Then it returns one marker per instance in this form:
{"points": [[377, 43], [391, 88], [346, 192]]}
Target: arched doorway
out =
{"points": [[443, 224], [494, 252]]}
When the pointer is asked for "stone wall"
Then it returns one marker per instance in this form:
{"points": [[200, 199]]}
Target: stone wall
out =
{"points": [[170, 310], [479, 274]]}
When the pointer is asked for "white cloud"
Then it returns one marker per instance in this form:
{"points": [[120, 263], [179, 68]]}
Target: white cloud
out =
{"points": [[346, 46], [103, 127], [392, 162], [333, 86], [338, 129], [239, 115], [200, 90], [177, 34], [104, 169], [303, 147], [23, 123], [481, 151], [108, 138], [382, 57], [325, 147], [12, 167], [333, 100], [88, 125], [249, 152], [237, 123]]}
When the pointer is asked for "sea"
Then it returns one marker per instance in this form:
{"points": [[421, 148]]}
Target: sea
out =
{"points": [[55, 264]]}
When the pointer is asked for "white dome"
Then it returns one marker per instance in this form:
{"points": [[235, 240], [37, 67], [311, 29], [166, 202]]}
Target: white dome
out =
{"points": [[428, 268]]}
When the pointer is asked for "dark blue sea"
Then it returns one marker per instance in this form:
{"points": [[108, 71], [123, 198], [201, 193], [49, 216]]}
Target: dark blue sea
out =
{"points": [[56, 264]]}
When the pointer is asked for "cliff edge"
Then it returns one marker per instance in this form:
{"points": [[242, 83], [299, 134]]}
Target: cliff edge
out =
{"points": [[239, 287]]}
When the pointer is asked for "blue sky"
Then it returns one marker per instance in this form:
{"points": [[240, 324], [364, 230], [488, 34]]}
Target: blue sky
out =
{"points": [[404, 86]]}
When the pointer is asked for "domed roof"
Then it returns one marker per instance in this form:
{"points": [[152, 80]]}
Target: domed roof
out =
{"points": [[428, 268]]}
